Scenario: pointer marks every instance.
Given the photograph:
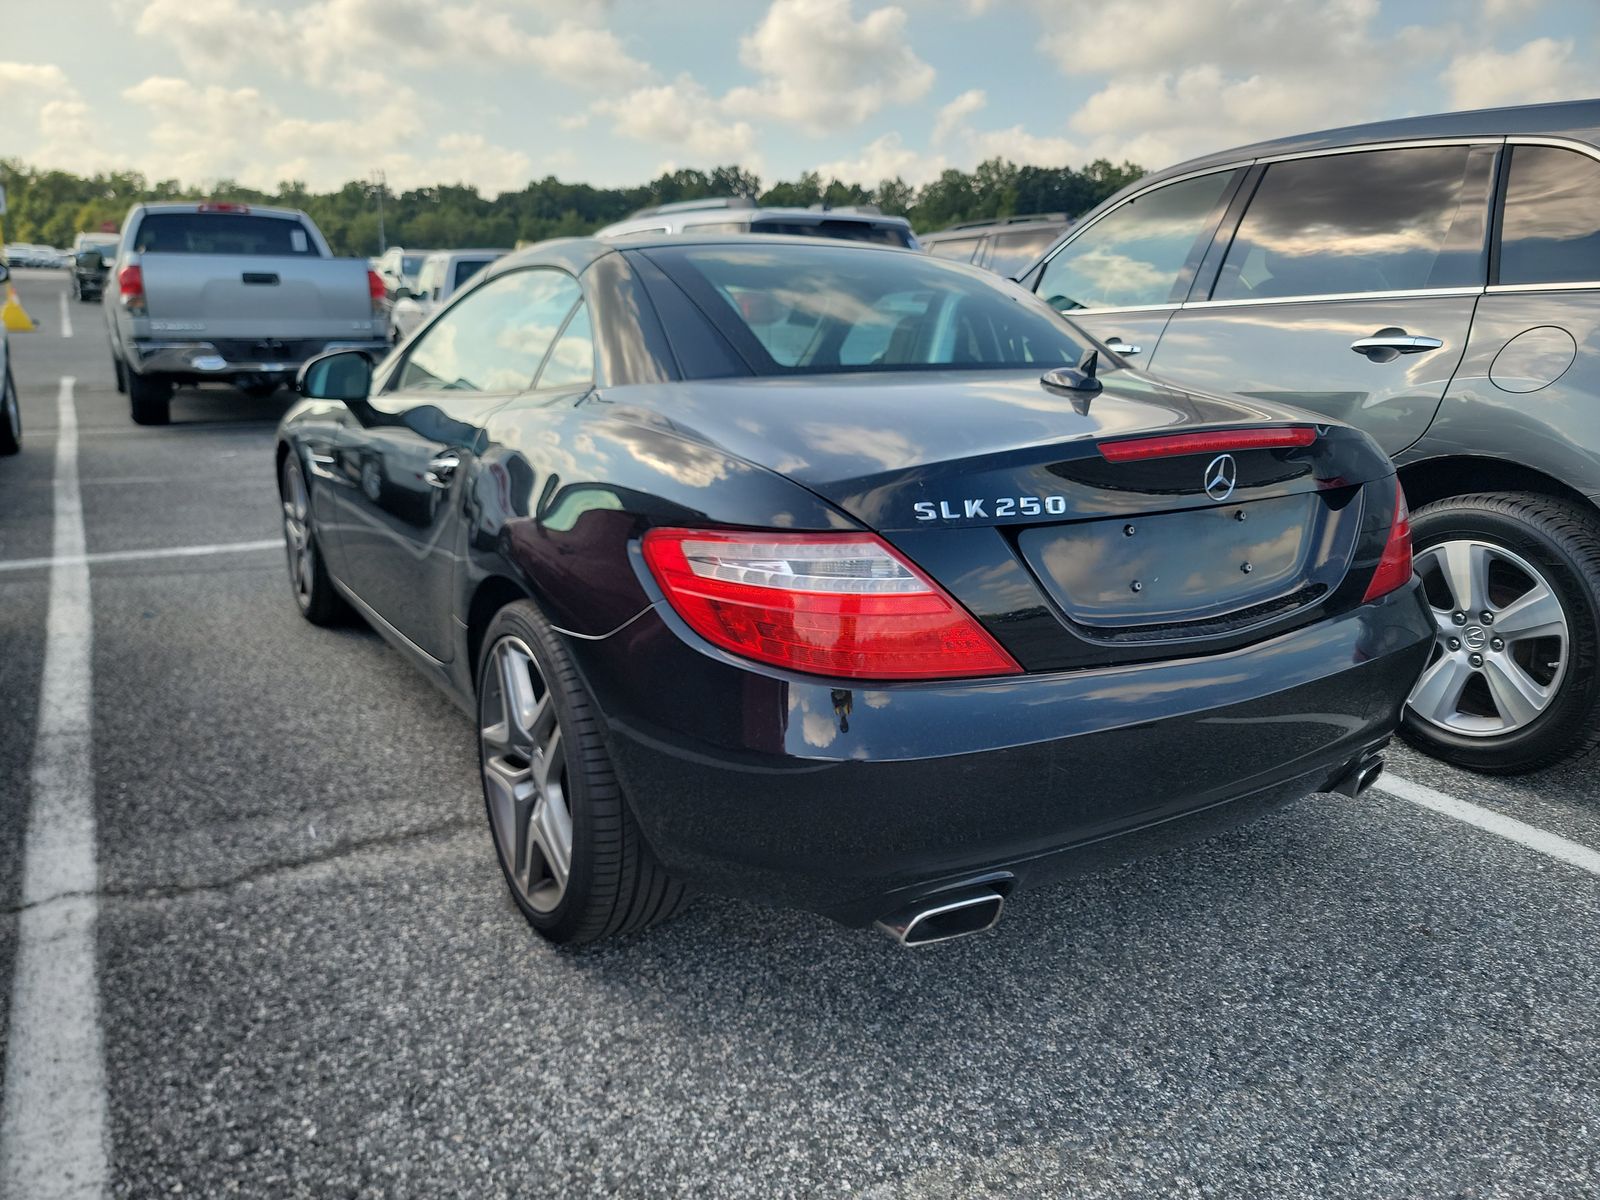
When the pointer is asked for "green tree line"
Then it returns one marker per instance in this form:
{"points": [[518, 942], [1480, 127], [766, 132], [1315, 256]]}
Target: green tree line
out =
{"points": [[50, 207]]}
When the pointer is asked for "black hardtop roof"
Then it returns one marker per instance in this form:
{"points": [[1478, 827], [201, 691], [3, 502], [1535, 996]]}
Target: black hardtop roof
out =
{"points": [[576, 253]]}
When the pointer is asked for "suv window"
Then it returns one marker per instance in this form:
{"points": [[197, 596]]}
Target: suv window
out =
{"points": [[222, 233], [1142, 252], [1550, 232], [1373, 221], [1010, 252], [495, 338], [466, 268], [959, 249]]}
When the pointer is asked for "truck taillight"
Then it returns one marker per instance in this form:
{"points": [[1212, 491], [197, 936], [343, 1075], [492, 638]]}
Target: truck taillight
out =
{"points": [[375, 290], [130, 285], [843, 605], [1394, 568]]}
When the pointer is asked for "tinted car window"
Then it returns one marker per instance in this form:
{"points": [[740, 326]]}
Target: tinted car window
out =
{"points": [[467, 268], [820, 310], [571, 360], [1377, 221], [1010, 252], [410, 264], [222, 233], [959, 249], [1141, 252], [851, 231], [495, 338], [1551, 229]]}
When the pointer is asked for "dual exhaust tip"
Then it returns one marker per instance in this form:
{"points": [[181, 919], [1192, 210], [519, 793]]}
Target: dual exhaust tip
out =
{"points": [[944, 916]]}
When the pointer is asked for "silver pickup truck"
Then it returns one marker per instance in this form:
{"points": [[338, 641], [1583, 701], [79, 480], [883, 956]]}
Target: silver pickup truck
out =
{"points": [[230, 293]]}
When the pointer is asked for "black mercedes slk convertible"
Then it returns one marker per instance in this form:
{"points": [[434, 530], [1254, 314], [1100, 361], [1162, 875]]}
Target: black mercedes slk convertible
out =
{"points": [[844, 578]]}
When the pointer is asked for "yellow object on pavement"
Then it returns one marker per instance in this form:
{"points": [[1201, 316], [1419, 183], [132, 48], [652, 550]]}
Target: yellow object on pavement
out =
{"points": [[13, 316]]}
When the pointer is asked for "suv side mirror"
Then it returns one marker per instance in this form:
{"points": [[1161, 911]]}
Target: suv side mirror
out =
{"points": [[91, 260], [337, 375]]}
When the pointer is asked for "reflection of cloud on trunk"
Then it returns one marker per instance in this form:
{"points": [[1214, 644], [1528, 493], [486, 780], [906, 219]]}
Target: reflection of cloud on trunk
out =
{"points": [[886, 448]]}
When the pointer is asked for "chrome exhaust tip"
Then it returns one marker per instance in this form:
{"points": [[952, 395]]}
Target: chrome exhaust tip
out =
{"points": [[944, 916]]}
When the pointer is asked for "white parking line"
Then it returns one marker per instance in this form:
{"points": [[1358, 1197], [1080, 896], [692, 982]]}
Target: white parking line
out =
{"points": [[66, 317], [53, 1127], [1492, 822], [80, 559]]}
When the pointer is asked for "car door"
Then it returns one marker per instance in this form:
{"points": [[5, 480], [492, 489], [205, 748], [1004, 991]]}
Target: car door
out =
{"points": [[418, 436], [1347, 288], [1121, 275]]}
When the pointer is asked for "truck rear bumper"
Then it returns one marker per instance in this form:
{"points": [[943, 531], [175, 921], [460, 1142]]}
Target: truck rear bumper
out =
{"points": [[197, 361]]}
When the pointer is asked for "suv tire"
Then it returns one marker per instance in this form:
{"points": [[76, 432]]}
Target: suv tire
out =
{"points": [[10, 416], [1510, 545], [150, 398]]}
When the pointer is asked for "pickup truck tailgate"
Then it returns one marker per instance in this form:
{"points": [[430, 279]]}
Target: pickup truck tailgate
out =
{"points": [[258, 296]]}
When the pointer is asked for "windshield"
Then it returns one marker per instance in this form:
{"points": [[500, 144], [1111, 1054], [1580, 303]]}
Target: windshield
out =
{"points": [[850, 231], [826, 310], [222, 233]]}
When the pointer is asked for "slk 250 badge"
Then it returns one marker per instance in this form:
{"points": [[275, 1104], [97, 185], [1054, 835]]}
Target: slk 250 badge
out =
{"points": [[999, 506]]}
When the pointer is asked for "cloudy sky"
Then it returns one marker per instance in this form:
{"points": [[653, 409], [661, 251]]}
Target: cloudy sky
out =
{"points": [[494, 92]]}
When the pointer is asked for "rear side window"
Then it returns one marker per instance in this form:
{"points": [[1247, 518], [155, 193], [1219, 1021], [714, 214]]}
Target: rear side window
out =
{"points": [[1551, 229], [1376, 221], [1141, 253], [958, 249], [222, 233], [1011, 252], [850, 231], [825, 310], [466, 269]]}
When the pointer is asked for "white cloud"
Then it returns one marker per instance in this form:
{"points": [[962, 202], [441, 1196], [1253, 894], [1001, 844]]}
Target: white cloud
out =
{"points": [[883, 158], [683, 115], [1536, 71], [28, 85], [954, 114], [822, 69]]}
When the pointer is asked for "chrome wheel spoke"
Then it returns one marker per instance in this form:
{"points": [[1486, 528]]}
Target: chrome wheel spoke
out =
{"points": [[1517, 696], [1536, 613], [1437, 695]]}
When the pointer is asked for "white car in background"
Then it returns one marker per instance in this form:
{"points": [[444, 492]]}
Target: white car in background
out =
{"points": [[443, 274]]}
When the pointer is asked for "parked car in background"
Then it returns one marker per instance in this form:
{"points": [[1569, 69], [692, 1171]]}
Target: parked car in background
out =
{"points": [[443, 274], [936, 602], [90, 263], [10, 408], [230, 293], [398, 268], [1007, 246], [1435, 281], [26, 254], [736, 214]]}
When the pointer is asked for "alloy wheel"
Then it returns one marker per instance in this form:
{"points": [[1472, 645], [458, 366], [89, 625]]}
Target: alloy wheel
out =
{"points": [[1502, 645], [297, 532], [525, 774]]}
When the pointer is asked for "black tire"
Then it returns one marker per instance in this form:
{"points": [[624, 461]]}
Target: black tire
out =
{"points": [[614, 884], [150, 398], [1561, 541], [10, 416], [120, 373], [319, 602]]}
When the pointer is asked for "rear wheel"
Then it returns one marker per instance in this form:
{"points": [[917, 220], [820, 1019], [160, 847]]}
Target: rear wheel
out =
{"points": [[118, 370], [308, 576], [1514, 584], [150, 398], [10, 416], [570, 851]]}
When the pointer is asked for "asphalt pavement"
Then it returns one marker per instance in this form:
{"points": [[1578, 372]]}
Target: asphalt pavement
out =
{"points": [[312, 984]]}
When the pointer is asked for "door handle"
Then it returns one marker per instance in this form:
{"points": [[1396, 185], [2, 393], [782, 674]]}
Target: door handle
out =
{"points": [[1117, 346], [1388, 344], [442, 468]]}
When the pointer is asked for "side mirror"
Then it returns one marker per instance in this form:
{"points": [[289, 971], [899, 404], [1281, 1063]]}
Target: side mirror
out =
{"points": [[337, 375], [91, 260], [402, 292]]}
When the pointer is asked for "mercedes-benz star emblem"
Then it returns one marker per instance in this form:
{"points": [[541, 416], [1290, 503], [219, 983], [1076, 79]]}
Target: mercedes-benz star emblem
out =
{"points": [[1221, 474]]}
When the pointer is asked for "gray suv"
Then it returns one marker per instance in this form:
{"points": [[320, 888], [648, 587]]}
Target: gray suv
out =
{"points": [[1435, 281]]}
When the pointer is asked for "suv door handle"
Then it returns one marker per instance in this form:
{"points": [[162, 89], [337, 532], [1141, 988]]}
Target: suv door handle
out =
{"points": [[1388, 344], [441, 469], [1117, 346]]}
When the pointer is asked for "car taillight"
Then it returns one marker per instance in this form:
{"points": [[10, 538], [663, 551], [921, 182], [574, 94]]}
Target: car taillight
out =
{"points": [[376, 292], [842, 605], [130, 284], [1394, 568], [1216, 441]]}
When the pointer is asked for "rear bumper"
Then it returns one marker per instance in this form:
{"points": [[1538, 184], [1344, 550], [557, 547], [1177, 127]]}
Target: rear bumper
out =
{"points": [[855, 801], [198, 361]]}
